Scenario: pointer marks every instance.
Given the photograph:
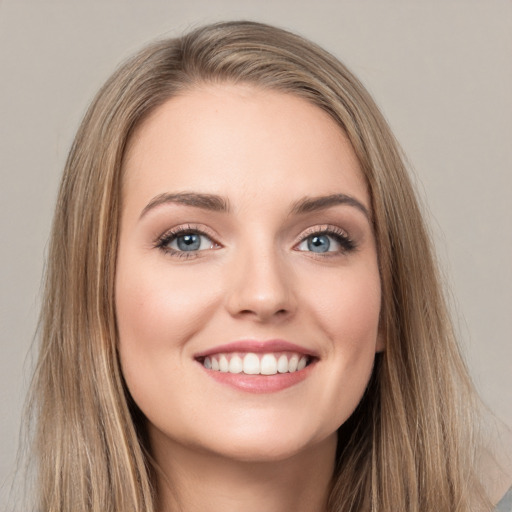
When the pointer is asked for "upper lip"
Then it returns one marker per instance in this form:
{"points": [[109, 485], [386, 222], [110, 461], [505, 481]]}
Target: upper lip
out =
{"points": [[255, 346]]}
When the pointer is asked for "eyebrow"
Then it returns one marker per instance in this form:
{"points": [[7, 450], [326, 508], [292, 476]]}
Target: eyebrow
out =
{"points": [[217, 203], [209, 202], [313, 204]]}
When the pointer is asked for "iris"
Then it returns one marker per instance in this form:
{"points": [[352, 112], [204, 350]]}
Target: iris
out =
{"points": [[319, 243], [189, 242]]}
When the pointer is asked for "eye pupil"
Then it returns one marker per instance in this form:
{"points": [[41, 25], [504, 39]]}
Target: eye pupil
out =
{"points": [[319, 243], [189, 242]]}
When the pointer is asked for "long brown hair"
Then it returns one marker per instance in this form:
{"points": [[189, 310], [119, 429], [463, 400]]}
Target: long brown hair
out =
{"points": [[409, 446]]}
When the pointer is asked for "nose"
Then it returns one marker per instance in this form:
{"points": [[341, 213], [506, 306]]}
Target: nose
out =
{"points": [[261, 287]]}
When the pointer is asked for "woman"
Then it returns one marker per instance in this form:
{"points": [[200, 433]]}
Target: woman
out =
{"points": [[242, 309]]}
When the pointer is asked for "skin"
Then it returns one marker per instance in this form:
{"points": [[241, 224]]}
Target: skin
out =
{"points": [[253, 279]]}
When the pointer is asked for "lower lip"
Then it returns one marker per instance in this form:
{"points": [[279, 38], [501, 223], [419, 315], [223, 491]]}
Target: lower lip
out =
{"points": [[260, 383]]}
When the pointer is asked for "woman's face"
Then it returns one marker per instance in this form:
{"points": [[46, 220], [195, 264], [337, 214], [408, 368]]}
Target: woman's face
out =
{"points": [[246, 252]]}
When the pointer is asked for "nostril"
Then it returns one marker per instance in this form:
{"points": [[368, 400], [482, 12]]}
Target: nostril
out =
{"points": [[264, 314]]}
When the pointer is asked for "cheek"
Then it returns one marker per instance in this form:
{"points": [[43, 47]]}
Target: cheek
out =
{"points": [[158, 305], [158, 308], [347, 308], [347, 305], [354, 326]]}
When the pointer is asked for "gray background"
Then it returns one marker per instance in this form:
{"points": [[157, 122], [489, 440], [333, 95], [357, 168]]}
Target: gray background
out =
{"points": [[440, 70]]}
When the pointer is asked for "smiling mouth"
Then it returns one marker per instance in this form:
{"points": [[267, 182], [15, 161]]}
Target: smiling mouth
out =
{"points": [[251, 363]]}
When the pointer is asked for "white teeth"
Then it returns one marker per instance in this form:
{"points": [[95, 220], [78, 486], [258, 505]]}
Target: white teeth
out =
{"points": [[236, 365], [269, 364], [282, 364], [251, 364], [254, 364], [223, 364]]}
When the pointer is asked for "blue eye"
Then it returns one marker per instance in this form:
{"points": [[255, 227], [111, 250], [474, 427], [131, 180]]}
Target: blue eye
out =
{"points": [[185, 241], [326, 242], [318, 243], [190, 242]]}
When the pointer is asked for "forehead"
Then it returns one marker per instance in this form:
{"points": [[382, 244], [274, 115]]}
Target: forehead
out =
{"points": [[226, 139]]}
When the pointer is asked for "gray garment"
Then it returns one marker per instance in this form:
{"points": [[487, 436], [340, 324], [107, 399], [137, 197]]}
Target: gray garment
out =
{"points": [[505, 504]]}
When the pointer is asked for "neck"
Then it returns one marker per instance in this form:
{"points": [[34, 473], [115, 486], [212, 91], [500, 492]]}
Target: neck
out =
{"points": [[193, 481]]}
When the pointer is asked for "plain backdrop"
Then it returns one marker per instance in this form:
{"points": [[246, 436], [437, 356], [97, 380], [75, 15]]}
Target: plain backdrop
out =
{"points": [[440, 70]]}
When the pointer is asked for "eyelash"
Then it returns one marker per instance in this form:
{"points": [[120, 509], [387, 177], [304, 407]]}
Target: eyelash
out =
{"points": [[164, 240], [341, 237]]}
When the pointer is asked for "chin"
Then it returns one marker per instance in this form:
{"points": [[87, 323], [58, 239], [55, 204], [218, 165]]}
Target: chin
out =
{"points": [[268, 444], [261, 451]]}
